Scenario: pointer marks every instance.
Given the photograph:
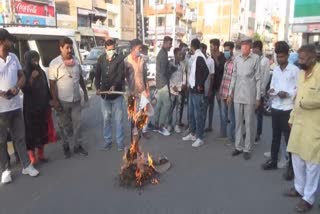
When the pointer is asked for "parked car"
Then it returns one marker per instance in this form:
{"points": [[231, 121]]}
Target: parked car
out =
{"points": [[84, 53], [90, 62], [45, 41]]}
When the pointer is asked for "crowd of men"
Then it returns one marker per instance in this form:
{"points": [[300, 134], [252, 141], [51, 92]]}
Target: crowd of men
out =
{"points": [[238, 83]]}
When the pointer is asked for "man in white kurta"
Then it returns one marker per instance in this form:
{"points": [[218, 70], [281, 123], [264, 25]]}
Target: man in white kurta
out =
{"points": [[304, 141]]}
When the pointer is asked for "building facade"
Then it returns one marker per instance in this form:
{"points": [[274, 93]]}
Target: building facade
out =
{"points": [[97, 20], [165, 18]]}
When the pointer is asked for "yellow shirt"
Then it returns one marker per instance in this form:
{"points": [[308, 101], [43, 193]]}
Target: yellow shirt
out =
{"points": [[305, 118]]}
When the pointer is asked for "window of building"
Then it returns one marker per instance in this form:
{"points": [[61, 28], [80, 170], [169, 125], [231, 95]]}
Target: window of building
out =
{"points": [[110, 23], [252, 6], [251, 23], [177, 20], [83, 21], [161, 21]]}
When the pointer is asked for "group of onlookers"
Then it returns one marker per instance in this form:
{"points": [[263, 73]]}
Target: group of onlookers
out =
{"points": [[237, 83]]}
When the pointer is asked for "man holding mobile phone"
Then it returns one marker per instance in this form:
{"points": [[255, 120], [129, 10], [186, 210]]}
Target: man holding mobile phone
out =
{"points": [[283, 89], [11, 80]]}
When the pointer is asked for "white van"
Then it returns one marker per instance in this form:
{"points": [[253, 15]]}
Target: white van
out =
{"points": [[43, 40]]}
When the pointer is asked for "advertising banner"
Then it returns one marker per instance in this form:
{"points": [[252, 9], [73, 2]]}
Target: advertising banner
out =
{"points": [[35, 13], [306, 11]]}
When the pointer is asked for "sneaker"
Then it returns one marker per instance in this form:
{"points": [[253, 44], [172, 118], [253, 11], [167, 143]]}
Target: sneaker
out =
{"points": [[177, 129], [236, 152], [105, 147], [197, 143], [120, 149], [156, 129], [164, 132], [267, 154], [80, 150], [170, 129], [189, 137], [282, 164], [30, 170], [6, 177], [246, 155], [269, 165]]}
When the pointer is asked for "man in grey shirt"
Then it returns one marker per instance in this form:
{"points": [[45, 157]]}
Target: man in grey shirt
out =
{"points": [[162, 83], [245, 92]]}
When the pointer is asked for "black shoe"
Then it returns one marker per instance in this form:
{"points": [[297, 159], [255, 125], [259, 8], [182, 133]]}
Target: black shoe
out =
{"points": [[236, 152], [66, 152], [269, 165], [257, 138], [247, 156], [80, 150]]}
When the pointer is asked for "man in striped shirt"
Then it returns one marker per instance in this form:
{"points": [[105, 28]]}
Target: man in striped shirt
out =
{"points": [[227, 110]]}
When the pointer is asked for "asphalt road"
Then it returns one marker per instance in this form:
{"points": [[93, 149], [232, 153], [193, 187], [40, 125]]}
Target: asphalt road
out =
{"points": [[206, 180]]}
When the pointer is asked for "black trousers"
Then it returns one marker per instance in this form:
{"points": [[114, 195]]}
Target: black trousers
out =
{"points": [[279, 126]]}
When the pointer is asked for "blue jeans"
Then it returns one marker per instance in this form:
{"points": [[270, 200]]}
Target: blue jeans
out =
{"points": [[228, 114], [209, 107], [196, 109], [113, 108]]}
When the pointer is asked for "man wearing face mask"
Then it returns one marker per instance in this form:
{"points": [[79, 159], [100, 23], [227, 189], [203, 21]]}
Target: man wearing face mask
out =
{"points": [[110, 77], [227, 110], [304, 141]]}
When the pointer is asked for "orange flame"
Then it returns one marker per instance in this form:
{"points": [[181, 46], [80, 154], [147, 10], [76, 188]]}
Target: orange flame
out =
{"points": [[150, 161]]}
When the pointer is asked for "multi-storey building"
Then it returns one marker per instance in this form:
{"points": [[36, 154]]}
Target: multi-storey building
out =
{"points": [[97, 20], [165, 18]]}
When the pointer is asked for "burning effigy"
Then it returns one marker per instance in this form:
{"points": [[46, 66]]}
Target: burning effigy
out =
{"points": [[140, 169]]}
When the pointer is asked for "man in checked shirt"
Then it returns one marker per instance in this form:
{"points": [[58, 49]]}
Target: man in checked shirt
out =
{"points": [[227, 109]]}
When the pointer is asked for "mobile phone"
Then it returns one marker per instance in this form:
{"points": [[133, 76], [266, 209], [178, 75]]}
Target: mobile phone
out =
{"points": [[9, 94]]}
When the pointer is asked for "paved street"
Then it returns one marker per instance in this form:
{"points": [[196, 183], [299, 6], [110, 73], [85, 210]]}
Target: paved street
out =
{"points": [[206, 180]]}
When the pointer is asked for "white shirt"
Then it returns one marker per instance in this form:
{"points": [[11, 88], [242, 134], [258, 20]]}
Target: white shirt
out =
{"points": [[265, 74], [284, 80], [177, 79], [67, 78], [210, 64], [9, 79]]}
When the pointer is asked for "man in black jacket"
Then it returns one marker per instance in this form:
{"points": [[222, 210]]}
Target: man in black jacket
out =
{"points": [[163, 74], [110, 77], [219, 61], [198, 75]]}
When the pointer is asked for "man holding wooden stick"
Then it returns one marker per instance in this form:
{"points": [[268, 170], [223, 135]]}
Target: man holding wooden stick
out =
{"points": [[109, 82]]}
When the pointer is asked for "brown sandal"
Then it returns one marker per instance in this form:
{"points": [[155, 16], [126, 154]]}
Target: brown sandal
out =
{"points": [[292, 193], [303, 206]]}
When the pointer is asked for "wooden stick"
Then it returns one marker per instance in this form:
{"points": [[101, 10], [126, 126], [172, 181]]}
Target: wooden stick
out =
{"points": [[112, 92]]}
